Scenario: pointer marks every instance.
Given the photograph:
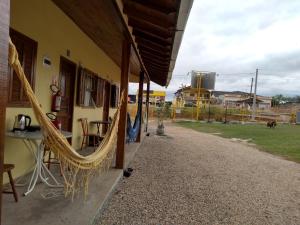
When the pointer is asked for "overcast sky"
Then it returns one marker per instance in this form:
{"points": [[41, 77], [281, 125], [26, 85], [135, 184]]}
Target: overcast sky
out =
{"points": [[234, 37]]}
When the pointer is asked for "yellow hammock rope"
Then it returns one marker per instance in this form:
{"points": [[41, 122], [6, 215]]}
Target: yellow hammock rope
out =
{"points": [[76, 169]]}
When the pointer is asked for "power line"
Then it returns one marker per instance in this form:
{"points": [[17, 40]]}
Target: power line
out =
{"points": [[235, 74], [267, 74], [227, 74], [187, 75], [273, 71], [223, 76]]}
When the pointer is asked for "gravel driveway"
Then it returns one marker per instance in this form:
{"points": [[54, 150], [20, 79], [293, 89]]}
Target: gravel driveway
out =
{"points": [[189, 177]]}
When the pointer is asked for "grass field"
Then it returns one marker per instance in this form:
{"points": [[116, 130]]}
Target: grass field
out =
{"points": [[284, 140]]}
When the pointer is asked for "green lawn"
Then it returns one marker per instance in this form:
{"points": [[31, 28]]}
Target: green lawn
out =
{"points": [[284, 140]]}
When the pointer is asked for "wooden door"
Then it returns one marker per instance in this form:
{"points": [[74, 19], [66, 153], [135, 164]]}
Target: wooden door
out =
{"points": [[67, 87], [106, 104]]}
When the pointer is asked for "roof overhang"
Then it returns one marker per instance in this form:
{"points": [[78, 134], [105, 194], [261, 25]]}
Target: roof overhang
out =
{"points": [[156, 27], [184, 11]]}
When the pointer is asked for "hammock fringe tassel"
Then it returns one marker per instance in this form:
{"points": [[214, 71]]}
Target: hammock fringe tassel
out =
{"points": [[76, 169]]}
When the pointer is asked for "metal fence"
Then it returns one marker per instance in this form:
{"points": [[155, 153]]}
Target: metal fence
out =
{"points": [[214, 113]]}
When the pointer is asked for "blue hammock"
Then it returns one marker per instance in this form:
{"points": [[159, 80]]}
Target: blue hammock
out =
{"points": [[132, 131]]}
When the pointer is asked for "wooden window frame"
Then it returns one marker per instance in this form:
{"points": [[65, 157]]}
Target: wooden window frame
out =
{"points": [[23, 102], [97, 94], [114, 95], [100, 95]]}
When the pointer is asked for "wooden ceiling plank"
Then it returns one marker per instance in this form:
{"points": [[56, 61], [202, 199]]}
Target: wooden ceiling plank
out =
{"points": [[157, 70], [152, 44], [162, 69], [140, 11], [153, 59], [158, 59], [145, 25], [152, 37], [102, 24], [156, 56], [166, 6], [154, 51], [156, 66]]}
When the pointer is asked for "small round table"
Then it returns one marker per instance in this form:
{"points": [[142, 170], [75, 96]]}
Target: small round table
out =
{"points": [[98, 123]]}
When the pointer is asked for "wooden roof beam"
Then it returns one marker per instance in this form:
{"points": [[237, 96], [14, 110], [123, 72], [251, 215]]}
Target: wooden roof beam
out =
{"points": [[142, 12], [161, 63], [157, 71], [151, 37], [166, 6], [145, 25], [152, 45], [156, 66], [156, 56], [154, 51], [160, 58], [154, 59], [154, 48]]}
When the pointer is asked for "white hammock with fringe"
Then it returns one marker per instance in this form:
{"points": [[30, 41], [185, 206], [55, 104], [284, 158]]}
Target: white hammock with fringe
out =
{"points": [[76, 169]]}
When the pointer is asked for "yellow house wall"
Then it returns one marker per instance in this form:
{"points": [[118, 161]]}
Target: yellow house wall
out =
{"points": [[45, 23]]}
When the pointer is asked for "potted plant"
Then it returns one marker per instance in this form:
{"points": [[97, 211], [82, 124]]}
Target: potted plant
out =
{"points": [[163, 111]]}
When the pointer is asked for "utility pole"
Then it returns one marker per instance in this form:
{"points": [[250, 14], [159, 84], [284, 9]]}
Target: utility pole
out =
{"points": [[254, 97], [251, 87]]}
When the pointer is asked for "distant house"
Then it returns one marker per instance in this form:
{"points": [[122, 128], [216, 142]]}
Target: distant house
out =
{"points": [[187, 96], [240, 99]]}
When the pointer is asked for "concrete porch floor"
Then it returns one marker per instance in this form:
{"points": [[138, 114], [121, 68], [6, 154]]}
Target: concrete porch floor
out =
{"points": [[34, 209]]}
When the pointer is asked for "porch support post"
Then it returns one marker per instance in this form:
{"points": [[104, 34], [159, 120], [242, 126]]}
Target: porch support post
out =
{"points": [[140, 98], [4, 35], [147, 104], [120, 154]]}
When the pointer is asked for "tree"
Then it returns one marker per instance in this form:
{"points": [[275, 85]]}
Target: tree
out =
{"points": [[276, 100], [280, 99], [297, 99]]}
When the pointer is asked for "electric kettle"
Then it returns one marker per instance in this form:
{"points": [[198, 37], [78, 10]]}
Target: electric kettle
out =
{"points": [[22, 122]]}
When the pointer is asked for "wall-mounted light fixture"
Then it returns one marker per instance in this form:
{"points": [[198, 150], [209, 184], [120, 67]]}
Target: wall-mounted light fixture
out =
{"points": [[47, 61]]}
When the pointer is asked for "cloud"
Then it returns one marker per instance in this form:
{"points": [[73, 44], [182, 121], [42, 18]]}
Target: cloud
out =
{"points": [[232, 37]]}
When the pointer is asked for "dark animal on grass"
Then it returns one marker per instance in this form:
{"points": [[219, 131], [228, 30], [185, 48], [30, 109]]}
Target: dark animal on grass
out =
{"points": [[271, 124]]}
